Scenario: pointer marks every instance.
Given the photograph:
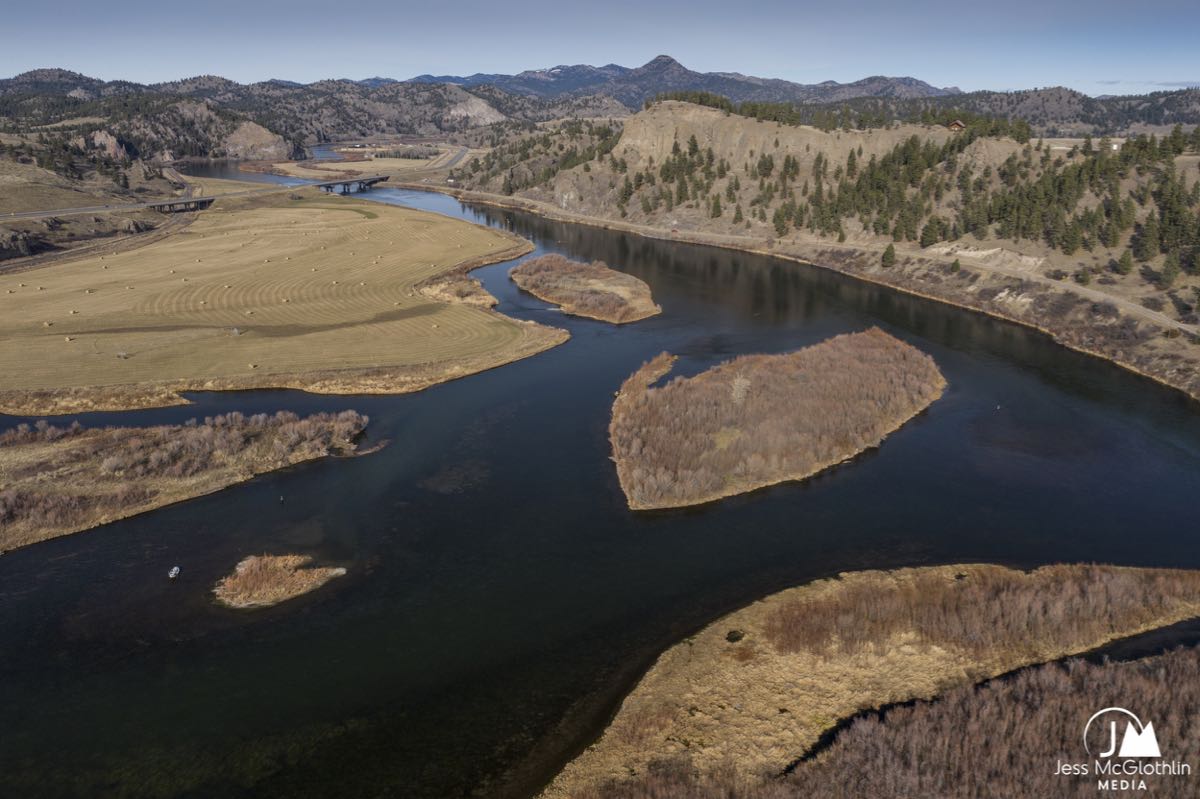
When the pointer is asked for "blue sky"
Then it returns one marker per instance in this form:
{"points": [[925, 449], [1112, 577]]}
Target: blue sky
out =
{"points": [[1100, 47]]}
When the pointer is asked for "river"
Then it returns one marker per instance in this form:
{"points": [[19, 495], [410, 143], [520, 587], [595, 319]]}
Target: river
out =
{"points": [[500, 597]]}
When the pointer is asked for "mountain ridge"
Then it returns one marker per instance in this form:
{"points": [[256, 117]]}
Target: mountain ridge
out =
{"points": [[633, 86]]}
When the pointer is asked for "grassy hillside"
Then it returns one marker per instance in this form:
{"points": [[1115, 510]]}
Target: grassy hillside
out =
{"points": [[1094, 241]]}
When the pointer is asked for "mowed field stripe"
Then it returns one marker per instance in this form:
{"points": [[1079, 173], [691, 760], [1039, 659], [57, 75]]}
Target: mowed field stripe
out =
{"points": [[309, 284]]}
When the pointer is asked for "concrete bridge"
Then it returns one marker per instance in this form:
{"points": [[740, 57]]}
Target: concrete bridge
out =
{"points": [[351, 184], [181, 204]]}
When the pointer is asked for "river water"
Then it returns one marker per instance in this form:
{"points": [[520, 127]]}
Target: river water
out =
{"points": [[500, 596]]}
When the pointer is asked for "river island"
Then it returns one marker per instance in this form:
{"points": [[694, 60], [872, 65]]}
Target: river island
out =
{"points": [[591, 290], [758, 420], [61, 480], [261, 581]]}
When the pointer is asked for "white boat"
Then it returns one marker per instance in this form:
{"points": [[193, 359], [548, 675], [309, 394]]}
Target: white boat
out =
{"points": [[173, 573]]}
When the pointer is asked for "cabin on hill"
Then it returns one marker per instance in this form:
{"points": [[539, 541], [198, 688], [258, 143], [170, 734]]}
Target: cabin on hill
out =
{"points": [[956, 126]]}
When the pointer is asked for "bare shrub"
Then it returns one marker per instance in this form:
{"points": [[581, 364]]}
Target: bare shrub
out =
{"points": [[761, 419], [949, 748], [112, 472], [1054, 608]]}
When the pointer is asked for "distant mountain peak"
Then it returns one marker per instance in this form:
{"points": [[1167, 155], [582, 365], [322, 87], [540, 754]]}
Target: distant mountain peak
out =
{"points": [[662, 61], [376, 81], [663, 73]]}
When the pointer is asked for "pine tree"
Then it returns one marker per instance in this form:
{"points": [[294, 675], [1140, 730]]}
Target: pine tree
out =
{"points": [[1125, 265], [780, 222], [737, 214], [716, 206], [1072, 239], [1170, 270], [932, 232], [1146, 245], [889, 256]]}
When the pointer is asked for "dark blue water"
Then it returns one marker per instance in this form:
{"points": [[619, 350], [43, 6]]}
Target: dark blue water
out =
{"points": [[500, 596]]}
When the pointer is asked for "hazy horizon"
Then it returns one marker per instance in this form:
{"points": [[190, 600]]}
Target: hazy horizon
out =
{"points": [[1108, 48]]}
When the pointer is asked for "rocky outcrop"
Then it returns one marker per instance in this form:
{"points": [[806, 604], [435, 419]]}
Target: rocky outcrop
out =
{"points": [[109, 144], [474, 112], [253, 142], [16, 245]]}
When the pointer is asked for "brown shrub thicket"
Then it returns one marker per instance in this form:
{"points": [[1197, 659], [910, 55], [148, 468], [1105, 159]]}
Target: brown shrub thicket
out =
{"points": [[1006, 737], [762, 419], [59, 479], [1001, 739], [1054, 608], [593, 290], [263, 580]]}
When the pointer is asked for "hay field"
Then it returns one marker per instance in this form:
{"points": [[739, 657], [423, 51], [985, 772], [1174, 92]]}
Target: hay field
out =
{"points": [[327, 170], [216, 187], [296, 290], [374, 166]]}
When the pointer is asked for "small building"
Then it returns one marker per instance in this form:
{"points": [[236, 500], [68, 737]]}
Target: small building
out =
{"points": [[956, 126]]}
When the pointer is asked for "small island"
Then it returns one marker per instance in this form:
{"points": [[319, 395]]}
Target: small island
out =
{"points": [[260, 581], [758, 420], [728, 710], [591, 290], [60, 480]]}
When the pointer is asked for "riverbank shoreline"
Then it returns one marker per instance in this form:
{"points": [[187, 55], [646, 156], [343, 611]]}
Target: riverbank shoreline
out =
{"points": [[855, 261]]}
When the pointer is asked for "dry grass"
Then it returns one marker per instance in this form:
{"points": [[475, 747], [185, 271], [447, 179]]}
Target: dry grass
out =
{"points": [[263, 580], [297, 291], [57, 481], [732, 708], [327, 170], [948, 748], [592, 290], [25, 187], [215, 187], [763, 419]]}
